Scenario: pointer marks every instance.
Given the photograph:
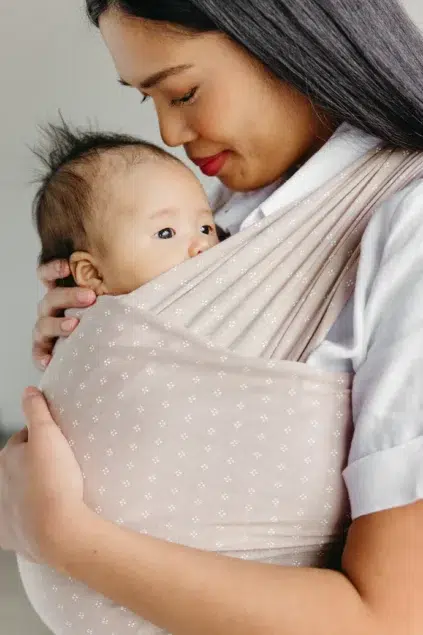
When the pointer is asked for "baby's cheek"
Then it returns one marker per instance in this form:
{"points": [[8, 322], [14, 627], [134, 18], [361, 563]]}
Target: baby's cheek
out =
{"points": [[122, 276], [143, 268], [131, 269]]}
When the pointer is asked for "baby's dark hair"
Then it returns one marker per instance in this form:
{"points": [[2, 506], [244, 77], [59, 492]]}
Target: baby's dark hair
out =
{"points": [[65, 197]]}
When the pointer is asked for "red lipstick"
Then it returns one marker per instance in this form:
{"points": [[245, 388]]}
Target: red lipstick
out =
{"points": [[211, 166]]}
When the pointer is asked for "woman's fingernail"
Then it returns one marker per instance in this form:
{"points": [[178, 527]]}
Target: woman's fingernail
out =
{"points": [[85, 296], [69, 325], [30, 392], [62, 269], [45, 362]]}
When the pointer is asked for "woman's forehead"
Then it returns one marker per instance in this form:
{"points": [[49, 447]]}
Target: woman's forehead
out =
{"points": [[142, 49]]}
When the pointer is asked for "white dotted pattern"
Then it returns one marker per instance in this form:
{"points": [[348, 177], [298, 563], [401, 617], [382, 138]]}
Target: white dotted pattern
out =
{"points": [[240, 459], [187, 424]]}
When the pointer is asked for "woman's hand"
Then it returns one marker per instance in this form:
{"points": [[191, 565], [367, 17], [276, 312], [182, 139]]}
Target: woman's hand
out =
{"points": [[41, 487], [49, 326]]}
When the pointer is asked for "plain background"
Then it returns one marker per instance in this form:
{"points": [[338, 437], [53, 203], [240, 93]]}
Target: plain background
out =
{"points": [[50, 59]]}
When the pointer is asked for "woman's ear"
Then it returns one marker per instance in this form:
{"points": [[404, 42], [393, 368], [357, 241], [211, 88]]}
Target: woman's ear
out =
{"points": [[86, 273]]}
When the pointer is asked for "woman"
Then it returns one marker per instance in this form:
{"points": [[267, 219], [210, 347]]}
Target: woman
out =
{"points": [[253, 90]]}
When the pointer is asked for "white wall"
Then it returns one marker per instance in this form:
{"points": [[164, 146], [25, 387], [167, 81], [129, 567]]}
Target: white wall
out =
{"points": [[49, 59], [415, 8]]}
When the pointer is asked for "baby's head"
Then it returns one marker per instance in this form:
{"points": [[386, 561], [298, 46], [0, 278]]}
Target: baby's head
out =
{"points": [[120, 210]]}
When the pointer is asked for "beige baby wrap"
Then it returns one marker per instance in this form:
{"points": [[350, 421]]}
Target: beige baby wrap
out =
{"points": [[189, 407]]}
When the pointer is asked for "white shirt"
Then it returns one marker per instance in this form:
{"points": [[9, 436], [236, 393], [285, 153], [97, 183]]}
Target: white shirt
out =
{"points": [[379, 334]]}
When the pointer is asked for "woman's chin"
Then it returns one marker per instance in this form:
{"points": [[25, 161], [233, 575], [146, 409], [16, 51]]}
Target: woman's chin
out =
{"points": [[241, 181], [235, 179]]}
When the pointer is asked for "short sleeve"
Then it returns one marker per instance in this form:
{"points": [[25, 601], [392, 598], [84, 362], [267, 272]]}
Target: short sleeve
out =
{"points": [[385, 467]]}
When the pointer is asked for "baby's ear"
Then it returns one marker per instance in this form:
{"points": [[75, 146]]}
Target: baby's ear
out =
{"points": [[86, 273]]}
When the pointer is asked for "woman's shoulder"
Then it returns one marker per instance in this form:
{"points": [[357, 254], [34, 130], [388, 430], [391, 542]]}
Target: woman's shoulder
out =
{"points": [[388, 314], [407, 204], [399, 219], [389, 284]]}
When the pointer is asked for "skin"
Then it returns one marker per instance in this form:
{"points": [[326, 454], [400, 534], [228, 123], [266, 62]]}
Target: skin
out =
{"points": [[157, 228], [225, 113], [233, 90], [186, 592]]}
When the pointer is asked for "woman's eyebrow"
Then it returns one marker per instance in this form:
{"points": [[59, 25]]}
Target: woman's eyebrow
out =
{"points": [[158, 77]]}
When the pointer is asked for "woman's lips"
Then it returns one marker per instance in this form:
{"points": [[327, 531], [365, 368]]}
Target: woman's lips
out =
{"points": [[211, 166]]}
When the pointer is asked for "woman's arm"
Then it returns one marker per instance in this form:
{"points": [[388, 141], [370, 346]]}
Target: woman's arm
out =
{"points": [[189, 592]]}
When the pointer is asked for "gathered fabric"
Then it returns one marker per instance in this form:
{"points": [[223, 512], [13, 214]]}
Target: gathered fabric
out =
{"points": [[189, 406]]}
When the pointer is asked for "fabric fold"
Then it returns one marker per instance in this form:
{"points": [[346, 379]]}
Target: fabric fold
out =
{"points": [[189, 407]]}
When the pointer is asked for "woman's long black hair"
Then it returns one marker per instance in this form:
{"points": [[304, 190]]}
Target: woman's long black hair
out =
{"points": [[360, 60]]}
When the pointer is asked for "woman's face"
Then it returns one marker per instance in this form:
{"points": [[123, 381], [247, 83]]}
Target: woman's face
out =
{"points": [[234, 119]]}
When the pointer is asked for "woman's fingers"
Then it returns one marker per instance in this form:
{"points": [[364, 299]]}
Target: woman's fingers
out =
{"points": [[41, 356], [41, 484], [46, 331], [60, 298], [35, 409], [53, 271], [18, 438], [48, 328]]}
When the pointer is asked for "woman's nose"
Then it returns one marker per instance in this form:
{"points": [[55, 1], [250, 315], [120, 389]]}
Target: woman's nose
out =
{"points": [[174, 129], [197, 246]]}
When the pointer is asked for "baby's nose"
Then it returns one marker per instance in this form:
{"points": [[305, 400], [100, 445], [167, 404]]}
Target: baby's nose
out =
{"points": [[198, 245]]}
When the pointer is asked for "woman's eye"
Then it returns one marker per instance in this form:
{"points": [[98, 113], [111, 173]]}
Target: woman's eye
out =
{"points": [[185, 99], [207, 229], [166, 233]]}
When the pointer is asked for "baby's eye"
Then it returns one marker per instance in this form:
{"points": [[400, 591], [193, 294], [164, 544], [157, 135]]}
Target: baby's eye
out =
{"points": [[207, 229], [166, 233]]}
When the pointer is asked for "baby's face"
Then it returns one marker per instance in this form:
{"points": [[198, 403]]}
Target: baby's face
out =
{"points": [[158, 217]]}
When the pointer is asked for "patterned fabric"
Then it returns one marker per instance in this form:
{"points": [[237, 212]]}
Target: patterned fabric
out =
{"points": [[189, 408]]}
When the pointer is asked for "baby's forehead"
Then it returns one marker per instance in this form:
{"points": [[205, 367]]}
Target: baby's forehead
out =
{"points": [[113, 169], [104, 168], [122, 164], [177, 212], [121, 161], [151, 187]]}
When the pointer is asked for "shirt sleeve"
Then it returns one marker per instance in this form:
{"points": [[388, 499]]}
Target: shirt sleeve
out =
{"points": [[385, 467]]}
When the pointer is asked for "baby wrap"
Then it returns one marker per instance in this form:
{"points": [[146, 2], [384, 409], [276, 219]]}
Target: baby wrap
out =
{"points": [[189, 407]]}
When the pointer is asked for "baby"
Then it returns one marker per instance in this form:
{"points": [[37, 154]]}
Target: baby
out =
{"points": [[177, 420], [120, 210]]}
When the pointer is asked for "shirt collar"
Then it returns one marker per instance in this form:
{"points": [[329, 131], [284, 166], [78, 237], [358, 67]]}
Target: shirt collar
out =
{"points": [[346, 145]]}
